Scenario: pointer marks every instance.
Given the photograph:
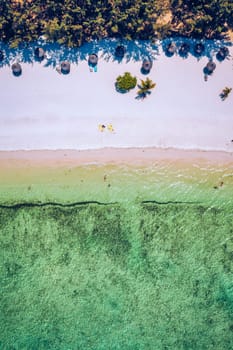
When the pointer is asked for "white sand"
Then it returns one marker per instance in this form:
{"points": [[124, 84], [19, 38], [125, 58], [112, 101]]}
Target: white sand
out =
{"points": [[45, 110]]}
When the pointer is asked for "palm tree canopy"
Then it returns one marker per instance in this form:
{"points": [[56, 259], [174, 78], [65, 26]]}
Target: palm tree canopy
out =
{"points": [[227, 90], [144, 88], [147, 84]]}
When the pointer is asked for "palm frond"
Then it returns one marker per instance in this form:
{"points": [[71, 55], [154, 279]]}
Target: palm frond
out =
{"points": [[144, 88]]}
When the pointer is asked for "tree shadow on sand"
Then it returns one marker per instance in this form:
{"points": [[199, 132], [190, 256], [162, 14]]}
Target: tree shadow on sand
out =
{"points": [[55, 53], [197, 48], [143, 95], [105, 49]]}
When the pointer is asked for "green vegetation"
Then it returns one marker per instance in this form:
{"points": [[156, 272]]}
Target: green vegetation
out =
{"points": [[126, 82], [144, 88], [225, 93], [202, 18], [72, 22]]}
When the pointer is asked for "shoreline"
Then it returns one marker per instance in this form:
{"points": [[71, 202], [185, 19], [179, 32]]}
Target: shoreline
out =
{"points": [[116, 175], [128, 155]]}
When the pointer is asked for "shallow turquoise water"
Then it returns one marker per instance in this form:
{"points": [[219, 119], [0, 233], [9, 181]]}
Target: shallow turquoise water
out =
{"points": [[116, 276], [160, 181]]}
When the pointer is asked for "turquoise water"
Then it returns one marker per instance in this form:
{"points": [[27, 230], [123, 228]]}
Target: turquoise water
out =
{"points": [[129, 275], [160, 181]]}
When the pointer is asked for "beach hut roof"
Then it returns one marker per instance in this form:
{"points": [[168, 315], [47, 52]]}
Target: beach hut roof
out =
{"points": [[223, 53], [65, 67], [211, 66], [120, 51], [16, 69], [147, 64], [170, 49], [224, 50], [93, 59], [39, 52]]}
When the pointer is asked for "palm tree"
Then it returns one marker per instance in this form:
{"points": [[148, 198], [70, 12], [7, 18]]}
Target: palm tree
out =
{"points": [[225, 92], [144, 88]]}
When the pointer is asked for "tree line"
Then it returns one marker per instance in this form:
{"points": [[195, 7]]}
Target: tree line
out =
{"points": [[74, 22]]}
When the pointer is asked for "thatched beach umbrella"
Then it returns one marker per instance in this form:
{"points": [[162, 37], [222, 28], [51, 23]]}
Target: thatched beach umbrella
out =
{"points": [[222, 53], [170, 49], [120, 51], [93, 59], [65, 67], [146, 66], [16, 69], [184, 49], [1, 56], [39, 53], [198, 49], [209, 68]]}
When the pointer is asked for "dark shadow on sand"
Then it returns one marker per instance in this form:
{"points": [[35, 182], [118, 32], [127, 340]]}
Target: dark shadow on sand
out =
{"points": [[106, 49], [197, 48]]}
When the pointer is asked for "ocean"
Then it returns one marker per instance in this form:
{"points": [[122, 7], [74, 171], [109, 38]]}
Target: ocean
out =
{"points": [[117, 257]]}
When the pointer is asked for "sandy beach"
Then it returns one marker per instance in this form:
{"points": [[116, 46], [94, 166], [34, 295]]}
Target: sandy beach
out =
{"points": [[45, 110]]}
